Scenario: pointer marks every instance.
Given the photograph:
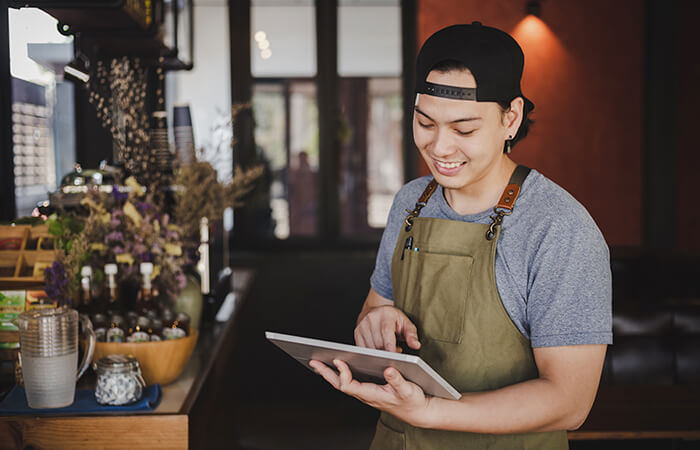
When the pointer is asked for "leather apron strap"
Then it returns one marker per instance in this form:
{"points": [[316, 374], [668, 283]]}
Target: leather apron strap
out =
{"points": [[503, 208]]}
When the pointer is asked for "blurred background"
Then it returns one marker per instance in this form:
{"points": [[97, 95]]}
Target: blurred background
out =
{"points": [[320, 93]]}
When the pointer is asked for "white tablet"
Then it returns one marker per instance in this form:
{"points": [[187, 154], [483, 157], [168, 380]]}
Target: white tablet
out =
{"points": [[367, 364]]}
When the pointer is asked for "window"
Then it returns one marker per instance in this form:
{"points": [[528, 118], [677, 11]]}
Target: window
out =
{"points": [[286, 115], [43, 125]]}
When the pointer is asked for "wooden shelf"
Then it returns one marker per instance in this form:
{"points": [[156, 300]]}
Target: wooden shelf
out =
{"points": [[18, 265]]}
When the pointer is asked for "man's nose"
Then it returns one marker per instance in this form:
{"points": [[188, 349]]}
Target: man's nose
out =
{"points": [[442, 145]]}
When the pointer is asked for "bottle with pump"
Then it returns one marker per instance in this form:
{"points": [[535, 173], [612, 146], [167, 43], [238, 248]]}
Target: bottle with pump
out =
{"points": [[146, 303], [85, 306], [112, 303]]}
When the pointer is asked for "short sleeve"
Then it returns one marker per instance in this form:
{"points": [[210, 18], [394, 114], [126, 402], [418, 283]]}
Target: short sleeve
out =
{"points": [[570, 287], [381, 277]]}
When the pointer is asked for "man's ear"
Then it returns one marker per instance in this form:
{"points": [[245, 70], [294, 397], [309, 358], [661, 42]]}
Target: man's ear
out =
{"points": [[513, 117]]}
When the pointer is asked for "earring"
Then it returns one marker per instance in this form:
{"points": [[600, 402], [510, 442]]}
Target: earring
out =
{"points": [[508, 144]]}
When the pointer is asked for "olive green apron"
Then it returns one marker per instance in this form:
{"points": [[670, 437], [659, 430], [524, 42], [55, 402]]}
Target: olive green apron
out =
{"points": [[443, 278]]}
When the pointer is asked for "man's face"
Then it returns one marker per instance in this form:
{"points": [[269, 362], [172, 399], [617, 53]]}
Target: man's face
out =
{"points": [[461, 141]]}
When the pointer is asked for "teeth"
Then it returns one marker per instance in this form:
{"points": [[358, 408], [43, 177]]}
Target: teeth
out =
{"points": [[448, 165]]}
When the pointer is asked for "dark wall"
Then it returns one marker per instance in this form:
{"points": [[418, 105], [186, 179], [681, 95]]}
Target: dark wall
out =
{"points": [[687, 72], [583, 71]]}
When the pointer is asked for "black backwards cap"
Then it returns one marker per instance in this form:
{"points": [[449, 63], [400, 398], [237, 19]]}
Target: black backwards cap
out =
{"points": [[493, 57]]}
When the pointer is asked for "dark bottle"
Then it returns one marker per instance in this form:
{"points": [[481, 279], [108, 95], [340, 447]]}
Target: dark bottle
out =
{"points": [[131, 319], [116, 332], [139, 333], [99, 323], [156, 330], [177, 328], [112, 304], [146, 303], [86, 306]]}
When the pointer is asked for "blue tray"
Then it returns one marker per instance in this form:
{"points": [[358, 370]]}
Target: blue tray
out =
{"points": [[16, 403]]}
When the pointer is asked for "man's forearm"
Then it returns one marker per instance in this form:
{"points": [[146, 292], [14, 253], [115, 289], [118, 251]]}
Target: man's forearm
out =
{"points": [[530, 406]]}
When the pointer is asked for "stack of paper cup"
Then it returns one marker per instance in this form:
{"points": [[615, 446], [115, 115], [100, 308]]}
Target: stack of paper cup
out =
{"points": [[160, 145], [184, 137]]}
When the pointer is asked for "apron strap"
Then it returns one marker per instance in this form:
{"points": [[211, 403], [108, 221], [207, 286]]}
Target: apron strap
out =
{"points": [[422, 201], [505, 205]]}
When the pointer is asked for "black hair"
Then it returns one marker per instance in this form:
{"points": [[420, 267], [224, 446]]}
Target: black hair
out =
{"points": [[450, 65]]}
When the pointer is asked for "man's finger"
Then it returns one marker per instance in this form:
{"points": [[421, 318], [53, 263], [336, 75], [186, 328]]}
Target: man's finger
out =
{"points": [[389, 336], [396, 381], [359, 339], [411, 335], [345, 377], [326, 372]]}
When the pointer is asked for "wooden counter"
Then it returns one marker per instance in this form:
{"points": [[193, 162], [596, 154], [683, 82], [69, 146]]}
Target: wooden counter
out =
{"points": [[643, 412], [174, 424]]}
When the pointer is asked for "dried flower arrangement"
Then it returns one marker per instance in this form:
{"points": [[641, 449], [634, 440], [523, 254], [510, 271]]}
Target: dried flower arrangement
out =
{"points": [[134, 227], [120, 228]]}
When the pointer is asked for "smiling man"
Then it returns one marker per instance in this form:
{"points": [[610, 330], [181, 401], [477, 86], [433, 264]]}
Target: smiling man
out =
{"points": [[493, 274]]}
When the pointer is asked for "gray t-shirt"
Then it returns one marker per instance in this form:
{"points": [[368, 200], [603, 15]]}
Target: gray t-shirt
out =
{"points": [[552, 262]]}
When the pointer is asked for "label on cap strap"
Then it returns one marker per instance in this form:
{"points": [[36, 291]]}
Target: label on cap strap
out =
{"points": [[454, 92]]}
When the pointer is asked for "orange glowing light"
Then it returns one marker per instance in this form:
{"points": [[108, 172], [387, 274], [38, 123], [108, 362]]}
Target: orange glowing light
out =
{"points": [[532, 30]]}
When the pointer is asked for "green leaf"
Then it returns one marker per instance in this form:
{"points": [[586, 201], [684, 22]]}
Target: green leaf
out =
{"points": [[69, 245], [55, 227]]}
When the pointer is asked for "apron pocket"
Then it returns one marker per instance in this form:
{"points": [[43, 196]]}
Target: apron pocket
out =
{"points": [[386, 438], [436, 294]]}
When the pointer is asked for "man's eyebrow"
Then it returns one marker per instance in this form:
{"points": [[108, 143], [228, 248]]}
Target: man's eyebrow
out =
{"points": [[464, 119]]}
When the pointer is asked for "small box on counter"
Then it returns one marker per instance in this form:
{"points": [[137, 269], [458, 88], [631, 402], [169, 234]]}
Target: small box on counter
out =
{"points": [[12, 303], [38, 300]]}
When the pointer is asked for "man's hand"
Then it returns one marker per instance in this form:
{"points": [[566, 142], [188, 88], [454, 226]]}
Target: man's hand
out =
{"points": [[380, 323], [398, 397]]}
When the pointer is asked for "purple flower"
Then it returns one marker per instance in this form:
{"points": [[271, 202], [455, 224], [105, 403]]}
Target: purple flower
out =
{"points": [[144, 207], [181, 280], [171, 234], [56, 282], [138, 248], [146, 257], [114, 236], [118, 250], [118, 196], [115, 223]]}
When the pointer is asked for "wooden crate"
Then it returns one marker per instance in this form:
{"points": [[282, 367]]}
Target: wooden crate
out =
{"points": [[24, 252]]}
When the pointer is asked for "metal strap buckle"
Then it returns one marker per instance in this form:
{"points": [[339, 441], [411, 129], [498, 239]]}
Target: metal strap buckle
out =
{"points": [[497, 220]]}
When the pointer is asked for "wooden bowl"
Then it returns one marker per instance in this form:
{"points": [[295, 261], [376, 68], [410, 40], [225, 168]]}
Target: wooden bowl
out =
{"points": [[161, 362]]}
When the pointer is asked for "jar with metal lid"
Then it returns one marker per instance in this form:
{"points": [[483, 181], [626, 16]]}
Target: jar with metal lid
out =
{"points": [[119, 380]]}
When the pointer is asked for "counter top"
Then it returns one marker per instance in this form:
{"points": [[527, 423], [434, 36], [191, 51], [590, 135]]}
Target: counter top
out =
{"points": [[166, 427]]}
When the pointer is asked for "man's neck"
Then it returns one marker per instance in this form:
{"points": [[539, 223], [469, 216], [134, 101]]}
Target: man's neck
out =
{"points": [[484, 193]]}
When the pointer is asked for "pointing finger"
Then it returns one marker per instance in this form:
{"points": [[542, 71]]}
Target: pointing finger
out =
{"points": [[389, 337], [411, 336]]}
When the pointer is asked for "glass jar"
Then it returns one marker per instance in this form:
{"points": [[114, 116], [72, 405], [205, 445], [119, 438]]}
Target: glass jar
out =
{"points": [[119, 380]]}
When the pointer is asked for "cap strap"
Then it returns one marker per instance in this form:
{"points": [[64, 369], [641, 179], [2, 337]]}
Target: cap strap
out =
{"points": [[454, 92]]}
